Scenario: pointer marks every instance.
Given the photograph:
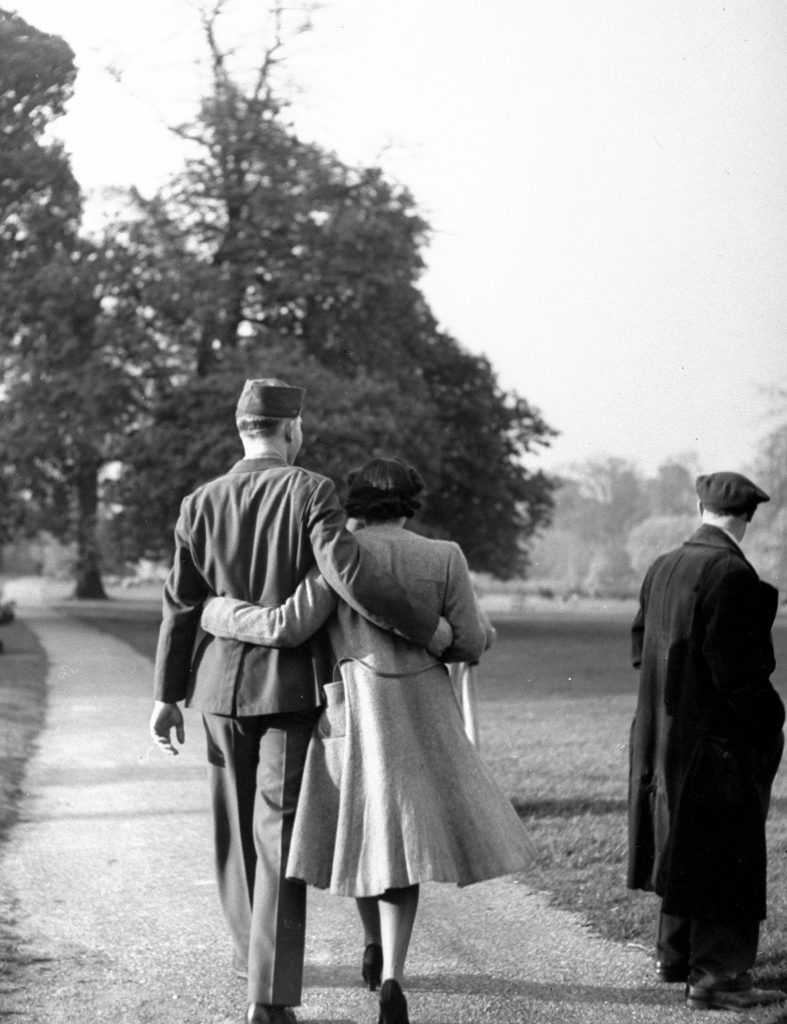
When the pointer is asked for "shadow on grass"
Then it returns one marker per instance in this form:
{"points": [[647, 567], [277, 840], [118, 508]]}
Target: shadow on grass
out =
{"points": [[569, 807]]}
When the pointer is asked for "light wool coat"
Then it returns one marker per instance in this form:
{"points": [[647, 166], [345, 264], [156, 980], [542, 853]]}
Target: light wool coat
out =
{"points": [[394, 793]]}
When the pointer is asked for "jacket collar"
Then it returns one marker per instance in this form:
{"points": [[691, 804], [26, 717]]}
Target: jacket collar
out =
{"points": [[715, 537], [258, 464]]}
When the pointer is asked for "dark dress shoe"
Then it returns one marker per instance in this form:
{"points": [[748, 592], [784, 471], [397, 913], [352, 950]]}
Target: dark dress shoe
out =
{"points": [[393, 1005], [699, 997], [262, 1013], [672, 973], [372, 965]]}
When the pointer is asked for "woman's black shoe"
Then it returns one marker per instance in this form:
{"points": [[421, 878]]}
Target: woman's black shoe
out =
{"points": [[372, 967], [393, 1005]]}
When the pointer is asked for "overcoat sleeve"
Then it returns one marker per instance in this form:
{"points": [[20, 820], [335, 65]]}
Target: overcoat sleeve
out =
{"points": [[285, 625], [461, 610], [739, 656]]}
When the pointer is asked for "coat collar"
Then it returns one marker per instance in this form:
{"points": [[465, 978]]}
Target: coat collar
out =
{"points": [[258, 464], [714, 537]]}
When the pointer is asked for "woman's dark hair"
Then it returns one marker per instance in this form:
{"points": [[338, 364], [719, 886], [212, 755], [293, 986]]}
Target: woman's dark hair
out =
{"points": [[383, 489]]}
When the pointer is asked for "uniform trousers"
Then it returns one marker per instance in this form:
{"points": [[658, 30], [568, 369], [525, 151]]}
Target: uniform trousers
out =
{"points": [[719, 953], [255, 766]]}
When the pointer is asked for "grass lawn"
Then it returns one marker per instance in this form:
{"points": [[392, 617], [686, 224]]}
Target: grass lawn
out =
{"points": [[22, 710], [556, 698]]}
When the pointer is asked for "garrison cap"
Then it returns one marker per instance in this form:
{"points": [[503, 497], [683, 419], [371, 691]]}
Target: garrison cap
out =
{"points": [[729, 492], [270, 397]]}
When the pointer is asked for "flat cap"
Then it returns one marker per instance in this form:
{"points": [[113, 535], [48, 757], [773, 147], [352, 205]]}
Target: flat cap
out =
{"points": [[270, 397], [729, 492]]}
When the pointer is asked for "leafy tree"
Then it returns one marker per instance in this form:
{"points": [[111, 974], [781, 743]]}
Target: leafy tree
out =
{"points": [[766, 540], [40, 202], [68, 400], [611, 522], [12, 506], [671, 492], [268, 252], [771, 467], [561, 559], [606, 501], [655, 536], [766, 545], [268, 255], [67, 394], [610, 573], [483, 496], [191, 437]]}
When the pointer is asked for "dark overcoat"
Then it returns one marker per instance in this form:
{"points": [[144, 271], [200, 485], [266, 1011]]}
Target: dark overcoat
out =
{"points": [[707, 735]]}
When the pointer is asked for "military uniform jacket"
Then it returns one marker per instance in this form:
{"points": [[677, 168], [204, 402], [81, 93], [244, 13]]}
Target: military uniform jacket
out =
{"points": [[253, 534], [706, 738]]}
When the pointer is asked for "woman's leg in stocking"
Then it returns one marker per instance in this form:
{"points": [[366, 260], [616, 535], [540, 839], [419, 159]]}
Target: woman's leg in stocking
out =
{"points": [[370, 919], [372, 964], [397, 917]]}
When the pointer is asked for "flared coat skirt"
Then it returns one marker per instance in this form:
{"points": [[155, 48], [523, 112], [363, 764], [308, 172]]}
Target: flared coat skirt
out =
{"points": [[394, 793]]}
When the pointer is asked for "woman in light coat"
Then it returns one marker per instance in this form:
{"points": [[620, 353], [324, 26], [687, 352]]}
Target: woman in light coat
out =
{"points": [[393, 793]]}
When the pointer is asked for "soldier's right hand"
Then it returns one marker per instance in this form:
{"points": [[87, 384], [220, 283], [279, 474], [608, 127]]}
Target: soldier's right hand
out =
{"points": [[166, 717]]}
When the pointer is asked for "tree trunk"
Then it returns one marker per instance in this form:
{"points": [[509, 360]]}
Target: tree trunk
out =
{"points": [[88, 562]]}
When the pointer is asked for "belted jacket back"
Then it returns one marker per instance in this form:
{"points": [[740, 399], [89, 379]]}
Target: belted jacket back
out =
{"points": [[253, 534]]}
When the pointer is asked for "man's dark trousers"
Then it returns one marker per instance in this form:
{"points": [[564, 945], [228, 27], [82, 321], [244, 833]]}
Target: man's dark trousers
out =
{"points": [[716, 951], [255, 769]]}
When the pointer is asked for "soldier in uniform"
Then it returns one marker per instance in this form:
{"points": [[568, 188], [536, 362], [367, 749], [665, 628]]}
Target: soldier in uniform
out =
{"points": [[253, 534], [705, 745]]}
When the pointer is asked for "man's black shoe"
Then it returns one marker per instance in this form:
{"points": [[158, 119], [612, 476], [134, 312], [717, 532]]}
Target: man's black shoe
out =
{"points": [[698, 997]]}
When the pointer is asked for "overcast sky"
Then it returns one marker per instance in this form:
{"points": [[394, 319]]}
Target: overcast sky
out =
{"points": [[606, 181]]}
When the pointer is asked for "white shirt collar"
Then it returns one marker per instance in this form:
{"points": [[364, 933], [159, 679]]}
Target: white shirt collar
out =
{"points": [[734, 539]]}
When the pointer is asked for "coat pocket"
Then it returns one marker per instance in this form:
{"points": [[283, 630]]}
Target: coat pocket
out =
{"points": [[332, 723], [715, 778]]}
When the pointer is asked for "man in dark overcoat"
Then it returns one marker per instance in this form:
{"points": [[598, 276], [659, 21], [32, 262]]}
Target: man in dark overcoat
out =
{"points": [[705, 745], [253, 534]]}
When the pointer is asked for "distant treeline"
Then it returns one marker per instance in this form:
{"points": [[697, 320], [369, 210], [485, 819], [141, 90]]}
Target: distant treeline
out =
{"points": [[611, 521]]}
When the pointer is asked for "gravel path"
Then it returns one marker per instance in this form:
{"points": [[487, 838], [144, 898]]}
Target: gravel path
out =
{"points": [[107, 874]]}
